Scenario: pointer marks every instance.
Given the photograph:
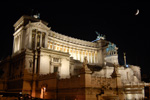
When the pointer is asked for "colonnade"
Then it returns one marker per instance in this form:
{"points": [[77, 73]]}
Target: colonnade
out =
{"points": [[38, 39], [75, 52]]}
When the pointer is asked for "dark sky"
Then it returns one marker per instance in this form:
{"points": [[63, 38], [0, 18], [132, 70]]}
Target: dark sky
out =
{"points": [[80, 20]]}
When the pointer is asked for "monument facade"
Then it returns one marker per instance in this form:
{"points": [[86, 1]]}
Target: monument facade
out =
{"points": [[46, 64]]}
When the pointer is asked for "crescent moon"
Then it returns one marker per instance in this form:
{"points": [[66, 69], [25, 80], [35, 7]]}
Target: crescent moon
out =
{"points": [[137, 12]]}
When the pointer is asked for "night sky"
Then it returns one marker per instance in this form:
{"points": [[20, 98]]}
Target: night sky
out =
{"points": [[80, 20]]}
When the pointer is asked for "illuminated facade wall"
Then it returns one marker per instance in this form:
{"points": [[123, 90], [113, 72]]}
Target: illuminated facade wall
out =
{"points": [[77, 49], [34, 35], [17, 41], [37, 34], [46, 61]]}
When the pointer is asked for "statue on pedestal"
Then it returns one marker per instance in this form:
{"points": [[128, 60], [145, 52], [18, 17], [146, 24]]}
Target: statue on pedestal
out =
{"points": [[85, 68], [85, 63]]}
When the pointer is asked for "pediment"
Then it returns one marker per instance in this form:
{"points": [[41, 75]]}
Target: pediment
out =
{"points": [[40, 25]]}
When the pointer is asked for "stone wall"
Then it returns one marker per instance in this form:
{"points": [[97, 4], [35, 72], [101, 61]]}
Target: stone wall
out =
{"points": [[79, 87]]}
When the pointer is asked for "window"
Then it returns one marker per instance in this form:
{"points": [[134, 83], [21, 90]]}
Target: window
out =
{"points": [[30, 63], [43, 39], [51, 46], [33, 40], [68, 49], [55, 59], [60, 49], [38, 39], [55, 69], [54, 47], [64, 49]]}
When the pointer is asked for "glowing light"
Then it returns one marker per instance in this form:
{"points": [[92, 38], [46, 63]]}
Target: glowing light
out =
{"points": [[127, 65], [137, 12], [44, 89], [21, 97]]}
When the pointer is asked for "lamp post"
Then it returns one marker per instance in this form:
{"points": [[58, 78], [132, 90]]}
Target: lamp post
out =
{"points": [[124, 59]]}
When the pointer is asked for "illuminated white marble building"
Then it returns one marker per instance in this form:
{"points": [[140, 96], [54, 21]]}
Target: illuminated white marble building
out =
{"points": [[36, 35], [39, 52]]}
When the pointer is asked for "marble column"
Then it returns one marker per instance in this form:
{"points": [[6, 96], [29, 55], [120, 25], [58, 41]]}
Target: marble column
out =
{"points": [[80, 55], [76, 53], [35, 63], [83, 55], [88, 56], [14, 45], [53, 45], [35, 40], [93, 56], [62, 48], [40, 39], [21, 41]]}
